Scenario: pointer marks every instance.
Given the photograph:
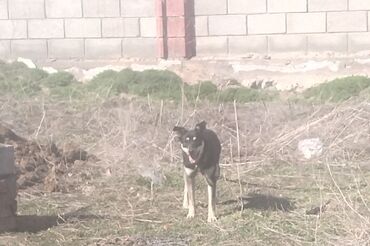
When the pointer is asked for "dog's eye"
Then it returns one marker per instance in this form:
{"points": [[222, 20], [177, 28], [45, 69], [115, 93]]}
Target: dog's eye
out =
{"points": [[187, 138], [194, 138]]}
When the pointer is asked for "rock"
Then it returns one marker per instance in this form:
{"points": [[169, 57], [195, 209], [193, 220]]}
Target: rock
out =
{"points": [[310, 147]]}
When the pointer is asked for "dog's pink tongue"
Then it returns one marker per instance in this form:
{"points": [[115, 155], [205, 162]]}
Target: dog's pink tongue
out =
{"points": [[191, 159]]}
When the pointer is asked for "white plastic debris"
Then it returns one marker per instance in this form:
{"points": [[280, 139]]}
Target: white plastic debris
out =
{"points": [[310, 147], [28, 62], [93, 72], [155, 175], [50, 70]]}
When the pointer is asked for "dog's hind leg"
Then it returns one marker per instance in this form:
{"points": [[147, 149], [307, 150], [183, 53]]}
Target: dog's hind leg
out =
{"points": [[211, 202], [212, 176]]}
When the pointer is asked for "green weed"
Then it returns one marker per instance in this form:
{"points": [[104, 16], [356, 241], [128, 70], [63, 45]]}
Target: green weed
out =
{"points": [[337, 90]]}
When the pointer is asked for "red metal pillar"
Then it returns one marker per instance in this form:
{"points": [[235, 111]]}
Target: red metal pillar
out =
{"points": [[175, 28], [161, 28]]}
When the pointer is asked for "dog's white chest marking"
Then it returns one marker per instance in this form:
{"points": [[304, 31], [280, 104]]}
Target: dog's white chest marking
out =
{"points": [[189, 171]]}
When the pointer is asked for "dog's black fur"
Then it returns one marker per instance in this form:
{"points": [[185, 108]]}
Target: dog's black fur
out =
{"points": [[201, 150]]}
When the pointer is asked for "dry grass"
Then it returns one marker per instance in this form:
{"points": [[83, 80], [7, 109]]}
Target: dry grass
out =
{"points": [[133, 196]]}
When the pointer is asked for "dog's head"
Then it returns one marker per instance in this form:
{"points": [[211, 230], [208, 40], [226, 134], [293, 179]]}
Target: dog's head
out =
{"points": [[192, 142]]}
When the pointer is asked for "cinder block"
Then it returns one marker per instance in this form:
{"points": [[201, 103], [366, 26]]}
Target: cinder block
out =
{"points": [[327, 42], [13, 29], [7, 165], [286, 6], [211, 46], [205, 7], [227, 25], [120, 27], [176, 47], [353, 21], [358, 5], [176, 26], [32, 49], [63, 9], [175, 7], [101, 8], [287, 43], [306, 22], [82, 28], [148, 27], [66, 48], [103, 48], [160, 26], [139, 47], [28, 9], [138, 8], [201, 26], [246, 6], [266, 24], [3, 9], [46, 28], [358, 42], [327, 5], [4, 49], [247, 44]]}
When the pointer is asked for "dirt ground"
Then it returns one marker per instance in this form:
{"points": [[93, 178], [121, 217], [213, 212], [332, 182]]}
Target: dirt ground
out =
{"points": [[42, 165], [108, 172]]}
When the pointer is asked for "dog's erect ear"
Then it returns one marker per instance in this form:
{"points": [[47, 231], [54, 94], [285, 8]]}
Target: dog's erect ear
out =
{"points": [[179, 130], [200, 126]]}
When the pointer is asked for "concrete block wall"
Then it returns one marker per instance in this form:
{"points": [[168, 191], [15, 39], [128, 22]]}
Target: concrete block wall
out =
{"points": [[84, 29], [303, 27], [112, 29]]}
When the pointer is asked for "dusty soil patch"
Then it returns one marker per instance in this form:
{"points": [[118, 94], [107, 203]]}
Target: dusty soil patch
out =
{"points": [[43, 164]]}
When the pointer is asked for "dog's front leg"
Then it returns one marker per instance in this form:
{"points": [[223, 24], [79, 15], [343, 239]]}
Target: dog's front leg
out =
{"points": [[191, 199], [185, 203], [212, 202]]}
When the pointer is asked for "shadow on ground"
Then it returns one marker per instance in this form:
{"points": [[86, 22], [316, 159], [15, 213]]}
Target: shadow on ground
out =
{"points": [[262, 202], [37, 223]]}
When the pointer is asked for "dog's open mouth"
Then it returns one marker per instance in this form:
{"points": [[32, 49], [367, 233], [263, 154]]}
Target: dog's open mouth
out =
{"points": [[193, 155]]}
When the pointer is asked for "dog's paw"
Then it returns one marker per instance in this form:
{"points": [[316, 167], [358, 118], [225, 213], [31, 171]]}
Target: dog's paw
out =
{"points": [[211, 219], [190, 215]]}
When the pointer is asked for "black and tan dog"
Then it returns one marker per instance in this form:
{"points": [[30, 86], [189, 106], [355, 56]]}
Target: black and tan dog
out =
{"points": [[201, 152]]}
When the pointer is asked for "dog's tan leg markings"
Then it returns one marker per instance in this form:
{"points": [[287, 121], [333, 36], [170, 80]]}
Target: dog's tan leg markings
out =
{"points": [[211, 203], [185, 204], [191, 198]]}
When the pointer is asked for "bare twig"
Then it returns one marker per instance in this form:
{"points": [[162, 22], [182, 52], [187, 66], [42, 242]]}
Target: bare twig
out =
{"points": [[237, 164], [42, 119]]}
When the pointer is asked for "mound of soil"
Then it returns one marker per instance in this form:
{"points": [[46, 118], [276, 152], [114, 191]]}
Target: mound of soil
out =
{"points": [[42, 165]]}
